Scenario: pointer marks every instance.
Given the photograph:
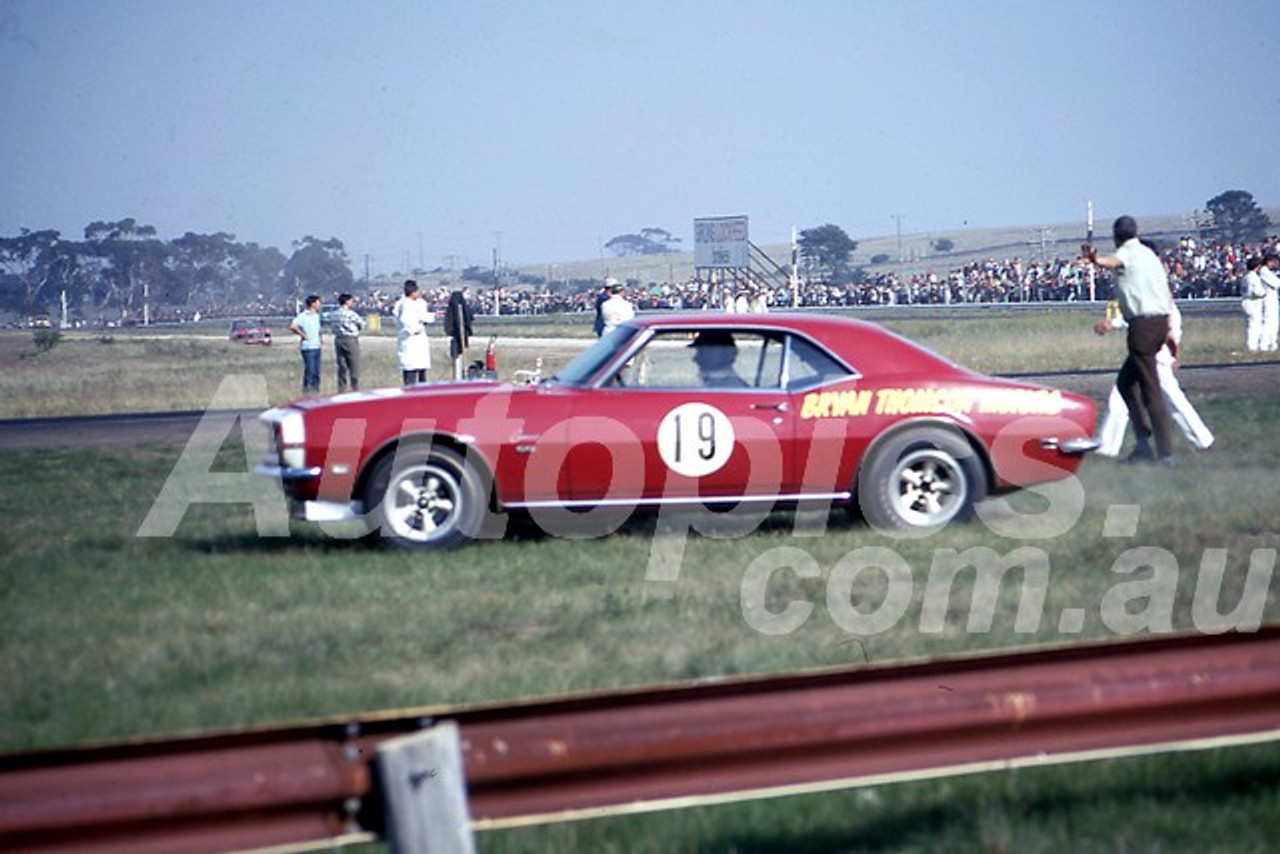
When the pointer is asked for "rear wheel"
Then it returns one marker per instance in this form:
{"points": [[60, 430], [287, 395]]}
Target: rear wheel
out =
{"points": [[919, 480], [426, 498]]}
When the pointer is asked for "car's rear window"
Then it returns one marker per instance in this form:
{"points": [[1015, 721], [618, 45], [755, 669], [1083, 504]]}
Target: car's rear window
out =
{"points": [[810, 366]]}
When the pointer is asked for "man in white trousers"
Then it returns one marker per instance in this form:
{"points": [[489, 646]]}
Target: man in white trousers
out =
{"points": [[1111, 435], [1270, 302], [1252, 293]]}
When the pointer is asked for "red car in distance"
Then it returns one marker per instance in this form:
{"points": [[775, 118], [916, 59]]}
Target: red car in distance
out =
{"points": [[250, 332], [715, 411]]}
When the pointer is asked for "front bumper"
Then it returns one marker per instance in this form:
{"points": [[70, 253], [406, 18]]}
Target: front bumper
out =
{"points": [[327, 511], [310, 511], [285, 474]]}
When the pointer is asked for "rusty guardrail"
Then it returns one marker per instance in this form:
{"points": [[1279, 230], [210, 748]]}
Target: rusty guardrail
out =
{"points": [[625, 751]]}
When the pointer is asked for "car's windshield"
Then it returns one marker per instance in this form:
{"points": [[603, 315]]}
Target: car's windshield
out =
{"points": [[588, 363]]}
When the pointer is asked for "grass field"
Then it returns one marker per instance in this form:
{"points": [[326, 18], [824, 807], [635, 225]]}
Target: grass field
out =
{"points": [[108, 634]]}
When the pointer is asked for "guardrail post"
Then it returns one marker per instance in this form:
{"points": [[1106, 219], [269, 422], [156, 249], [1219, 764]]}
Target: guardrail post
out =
{"points": [[426, 792]]}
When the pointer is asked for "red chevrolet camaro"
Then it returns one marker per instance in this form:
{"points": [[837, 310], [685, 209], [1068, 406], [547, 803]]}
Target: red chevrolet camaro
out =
{"points": [[698, 410]]}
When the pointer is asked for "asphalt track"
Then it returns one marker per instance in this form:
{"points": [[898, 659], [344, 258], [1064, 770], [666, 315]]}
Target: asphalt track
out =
{"points": [[131, 429]]}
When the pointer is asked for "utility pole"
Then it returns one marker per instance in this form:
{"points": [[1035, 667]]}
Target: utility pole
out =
{"points": [[1093, 284], [795, 271], [497, 273], [897, 218]]}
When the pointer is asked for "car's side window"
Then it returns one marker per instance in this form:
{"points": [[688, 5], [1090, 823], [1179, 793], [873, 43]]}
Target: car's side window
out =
{"points": [[709, 358], [809, 366], [763, 355]]}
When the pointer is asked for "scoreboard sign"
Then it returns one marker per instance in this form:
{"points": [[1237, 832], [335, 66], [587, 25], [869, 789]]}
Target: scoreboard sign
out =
{"points": [[720, 242]]}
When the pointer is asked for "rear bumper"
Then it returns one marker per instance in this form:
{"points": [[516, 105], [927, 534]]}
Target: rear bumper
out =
{"points": [[1074, 447]]}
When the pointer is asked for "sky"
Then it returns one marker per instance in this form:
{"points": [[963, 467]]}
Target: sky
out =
{"points": [[428, 133]]}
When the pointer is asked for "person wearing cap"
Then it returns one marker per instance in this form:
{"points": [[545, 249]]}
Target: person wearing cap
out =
{"points": [[1142, 291], [617, 309], [1252, 292], [1270, 301], [714, 353]]}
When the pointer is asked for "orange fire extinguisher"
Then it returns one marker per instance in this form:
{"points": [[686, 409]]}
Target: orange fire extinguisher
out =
{"points": [[491, 355]]}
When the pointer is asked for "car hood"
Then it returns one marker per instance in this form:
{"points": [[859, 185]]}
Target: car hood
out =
{"points": [[469, 388]]}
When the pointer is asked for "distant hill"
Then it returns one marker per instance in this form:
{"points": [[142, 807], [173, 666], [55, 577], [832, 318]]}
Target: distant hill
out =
{"points": [[1054, 241]]}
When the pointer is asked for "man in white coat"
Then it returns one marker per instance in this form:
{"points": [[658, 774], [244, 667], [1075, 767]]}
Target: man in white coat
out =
{"points": [[413, 349]]}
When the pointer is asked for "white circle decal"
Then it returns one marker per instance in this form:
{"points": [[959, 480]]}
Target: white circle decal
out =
{"points": [[695, 439]]}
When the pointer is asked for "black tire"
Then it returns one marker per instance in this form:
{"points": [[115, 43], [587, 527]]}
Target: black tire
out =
{"points": [[919, 480], [426, 498]]}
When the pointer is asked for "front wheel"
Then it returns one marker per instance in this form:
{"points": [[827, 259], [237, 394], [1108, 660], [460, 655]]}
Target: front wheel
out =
{"points": [[427, 498], [919, 480]]}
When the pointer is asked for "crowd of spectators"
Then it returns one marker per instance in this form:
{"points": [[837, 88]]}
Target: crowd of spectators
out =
{"points": [[1197, 269]]}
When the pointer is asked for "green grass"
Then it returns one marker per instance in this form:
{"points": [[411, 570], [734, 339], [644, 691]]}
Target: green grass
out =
{"points": [[1222, 801], [110, 635], [311, 625]]}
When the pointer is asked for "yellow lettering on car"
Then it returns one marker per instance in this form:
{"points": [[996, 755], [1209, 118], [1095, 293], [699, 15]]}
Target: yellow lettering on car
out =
{"points": [[931, 401], [835, 404], [923, 401], [1021, 401]]}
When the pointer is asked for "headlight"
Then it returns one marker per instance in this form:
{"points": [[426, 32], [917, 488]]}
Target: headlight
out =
{"points": [[290, 436]]}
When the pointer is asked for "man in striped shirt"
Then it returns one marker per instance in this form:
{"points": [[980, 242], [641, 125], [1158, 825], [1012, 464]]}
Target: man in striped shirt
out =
{"points": [[346, 325]]}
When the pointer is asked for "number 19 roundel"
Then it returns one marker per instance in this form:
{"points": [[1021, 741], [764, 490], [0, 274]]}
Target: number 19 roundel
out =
{"points": [[695, 439]]}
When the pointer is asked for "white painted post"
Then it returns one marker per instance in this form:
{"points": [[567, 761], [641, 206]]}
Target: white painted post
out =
{"points": [[426, 793]]}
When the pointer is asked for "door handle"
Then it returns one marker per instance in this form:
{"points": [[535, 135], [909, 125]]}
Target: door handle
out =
{"points": [[780, 406]]}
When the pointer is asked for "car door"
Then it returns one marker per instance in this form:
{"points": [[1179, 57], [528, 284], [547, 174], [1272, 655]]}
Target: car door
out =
{"points": [[662, 430], [830, 402]]}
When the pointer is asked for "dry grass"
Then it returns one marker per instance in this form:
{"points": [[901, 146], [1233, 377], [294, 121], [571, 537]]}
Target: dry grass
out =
{"points": [[91, 374]]}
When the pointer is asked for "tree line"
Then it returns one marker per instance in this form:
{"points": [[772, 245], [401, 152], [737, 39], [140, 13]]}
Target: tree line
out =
{"points": [[120, 267]]}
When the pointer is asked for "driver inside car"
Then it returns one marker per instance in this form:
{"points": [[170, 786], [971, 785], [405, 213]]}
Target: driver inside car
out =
{"points": [[714, 352]]}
